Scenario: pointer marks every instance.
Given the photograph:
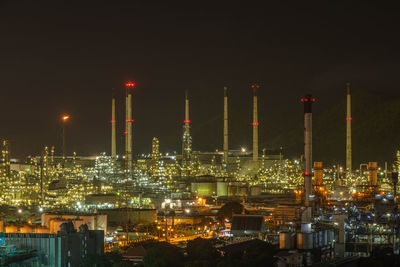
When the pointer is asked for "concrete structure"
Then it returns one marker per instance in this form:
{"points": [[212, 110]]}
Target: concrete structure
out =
{"points": [[113, 128], [123, 216], [53, 221], [128, 127], [226, 147], [348, 132], [67, 248], [248, 225]]}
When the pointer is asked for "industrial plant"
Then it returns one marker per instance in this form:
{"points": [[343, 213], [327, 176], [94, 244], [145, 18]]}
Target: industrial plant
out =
{"points": [[310, 212]]}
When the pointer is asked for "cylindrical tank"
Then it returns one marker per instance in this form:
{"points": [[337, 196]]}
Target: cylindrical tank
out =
{"points": [[330, 236], [255, 190], [285, 241], [304, 240], [232, 189], [243, 191], [222, 189], [324, 238]]}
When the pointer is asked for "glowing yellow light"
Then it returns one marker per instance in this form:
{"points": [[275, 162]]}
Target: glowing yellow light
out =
{"points": [[65, 117]]}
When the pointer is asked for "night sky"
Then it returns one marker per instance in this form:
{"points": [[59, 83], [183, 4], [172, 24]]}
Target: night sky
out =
{"points": [[65, 56]]}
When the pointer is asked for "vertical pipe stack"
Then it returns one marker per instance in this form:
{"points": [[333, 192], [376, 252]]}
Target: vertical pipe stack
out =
{"points": [[308, 100], [128, 127], [373, 174], [348, 132], [255, 125], [226, 126], [318, 173], [113, 130]]}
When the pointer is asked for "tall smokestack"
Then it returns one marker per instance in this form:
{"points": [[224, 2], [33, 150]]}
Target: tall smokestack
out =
{"points": [[308, 100], [113, 130], [187, 139], [226, 148], [348, 132], [128, 127], [255, 125]]}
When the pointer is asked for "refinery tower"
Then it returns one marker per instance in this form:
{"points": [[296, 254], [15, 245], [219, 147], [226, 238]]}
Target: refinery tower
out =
{"points": [[128, 126], [348, 132], [226, 147], [186, 139]]}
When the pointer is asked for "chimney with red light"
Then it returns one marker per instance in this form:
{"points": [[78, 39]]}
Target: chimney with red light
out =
{"points": [[186, 139], [308, 100], [255, 126], [128, 127]]}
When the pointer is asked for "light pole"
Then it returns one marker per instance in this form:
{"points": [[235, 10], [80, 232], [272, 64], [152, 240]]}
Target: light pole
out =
{"points": [[64, 118]]}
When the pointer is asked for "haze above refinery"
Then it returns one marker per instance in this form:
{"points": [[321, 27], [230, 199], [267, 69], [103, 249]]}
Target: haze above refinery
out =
{"points": [[64, 67]]}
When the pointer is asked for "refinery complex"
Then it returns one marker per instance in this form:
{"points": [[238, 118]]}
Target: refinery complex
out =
{"points": [[57, 207]]}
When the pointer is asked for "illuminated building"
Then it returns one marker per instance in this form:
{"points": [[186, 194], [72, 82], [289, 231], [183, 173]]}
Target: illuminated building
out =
{"points": [[155, 157]]}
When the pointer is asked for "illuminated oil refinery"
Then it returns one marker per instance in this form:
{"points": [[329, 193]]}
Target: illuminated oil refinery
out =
{"points": [[321, 214]]}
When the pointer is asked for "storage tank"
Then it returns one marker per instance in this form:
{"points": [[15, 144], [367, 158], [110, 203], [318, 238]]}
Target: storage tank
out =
{"points": [[304, 240], [232, 189], [222, 189], [285, 240], [330, 236], [255, 190]]}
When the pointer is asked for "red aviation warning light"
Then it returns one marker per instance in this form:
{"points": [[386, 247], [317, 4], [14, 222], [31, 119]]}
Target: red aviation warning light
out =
{"points": [[255, 86], [129, 84], [187, 121], [255, 123], [306, 173], [130, 120], [308, 100], [349, 118]]}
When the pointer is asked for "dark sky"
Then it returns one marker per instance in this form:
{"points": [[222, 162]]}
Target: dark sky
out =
{"points": [[65, 56]]}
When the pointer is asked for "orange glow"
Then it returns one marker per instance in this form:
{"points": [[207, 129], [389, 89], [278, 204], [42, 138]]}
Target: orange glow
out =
{"points": [[65, 117]]}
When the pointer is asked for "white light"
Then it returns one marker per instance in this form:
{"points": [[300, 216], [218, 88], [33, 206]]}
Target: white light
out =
{"points": [[19, 210], [40, 209], [243, 149]]}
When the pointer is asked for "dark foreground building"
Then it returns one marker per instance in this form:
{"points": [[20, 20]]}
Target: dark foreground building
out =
{"points": [[65, 249]]}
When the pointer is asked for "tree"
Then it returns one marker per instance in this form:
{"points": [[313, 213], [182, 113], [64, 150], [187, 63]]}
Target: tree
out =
{"points": [[201, 249], [228, 210], [162, 254]]}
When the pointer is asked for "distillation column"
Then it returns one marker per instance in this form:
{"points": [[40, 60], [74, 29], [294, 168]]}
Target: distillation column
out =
{"points": [[113, 130], [348, 132], [128, 127], [187, 139], [226, 148]]}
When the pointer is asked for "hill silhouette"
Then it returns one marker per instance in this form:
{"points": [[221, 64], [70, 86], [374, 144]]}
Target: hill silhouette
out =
{"points": [[375, 130]]}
